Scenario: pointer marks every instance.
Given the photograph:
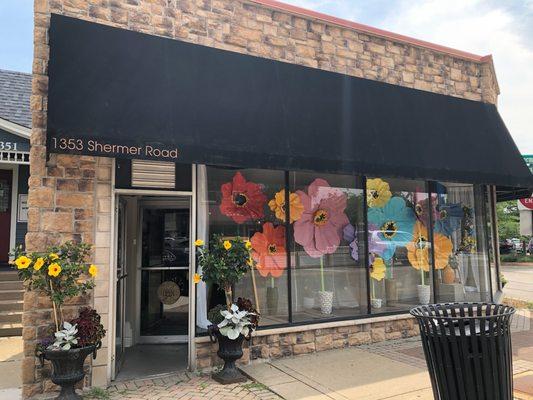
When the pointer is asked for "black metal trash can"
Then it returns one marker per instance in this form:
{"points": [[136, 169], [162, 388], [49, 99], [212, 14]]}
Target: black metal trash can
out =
{"points": [[468, 350]]}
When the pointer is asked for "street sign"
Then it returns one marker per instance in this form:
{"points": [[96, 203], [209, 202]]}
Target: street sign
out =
{"points": [[528, 203]]}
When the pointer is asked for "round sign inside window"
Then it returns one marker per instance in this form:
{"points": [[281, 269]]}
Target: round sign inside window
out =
{"points": [[168, 292]]}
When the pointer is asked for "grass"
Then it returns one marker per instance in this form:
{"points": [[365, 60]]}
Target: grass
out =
{"points": [[515, 257], [255, 386], [97, 393]]}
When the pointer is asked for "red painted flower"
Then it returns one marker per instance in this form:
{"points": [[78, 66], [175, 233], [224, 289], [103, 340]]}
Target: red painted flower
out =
{"points": [[268, 250], [242, 200]]}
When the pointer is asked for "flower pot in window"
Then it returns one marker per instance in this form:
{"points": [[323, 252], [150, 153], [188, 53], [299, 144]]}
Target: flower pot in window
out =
{"points": [[272, 300], [325, 300], [424, 294]]}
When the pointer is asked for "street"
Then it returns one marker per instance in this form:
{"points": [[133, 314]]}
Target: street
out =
{"points": [[520, 285]]}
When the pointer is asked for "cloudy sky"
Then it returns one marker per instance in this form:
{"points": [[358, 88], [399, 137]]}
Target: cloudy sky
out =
{"points": [[503, 29]]}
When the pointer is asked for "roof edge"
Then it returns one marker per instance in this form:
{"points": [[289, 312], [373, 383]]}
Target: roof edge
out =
{"points": [[372, 31], [15, 128]]}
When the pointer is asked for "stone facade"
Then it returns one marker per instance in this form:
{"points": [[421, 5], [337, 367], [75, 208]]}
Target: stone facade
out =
{"points": [[70, 196], [305, 339]]}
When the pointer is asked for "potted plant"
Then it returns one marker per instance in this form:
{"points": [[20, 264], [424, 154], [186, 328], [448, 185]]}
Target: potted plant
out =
{"points": [[225, 262], [62, 273], [377, 274]]}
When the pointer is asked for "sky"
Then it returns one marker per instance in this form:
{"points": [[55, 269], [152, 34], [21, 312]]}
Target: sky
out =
{"points": [[501, 28]]}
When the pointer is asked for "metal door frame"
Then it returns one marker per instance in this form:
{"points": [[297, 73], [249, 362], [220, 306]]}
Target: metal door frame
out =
{"points": [[169, 204], [191, 347]]}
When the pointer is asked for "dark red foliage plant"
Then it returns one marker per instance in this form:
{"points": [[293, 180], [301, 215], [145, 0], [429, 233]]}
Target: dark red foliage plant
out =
{"points": [[245, 304], [90, 330]]}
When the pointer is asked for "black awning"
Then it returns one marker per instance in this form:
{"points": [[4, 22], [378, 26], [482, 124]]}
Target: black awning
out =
{"points": [[150, 97]]}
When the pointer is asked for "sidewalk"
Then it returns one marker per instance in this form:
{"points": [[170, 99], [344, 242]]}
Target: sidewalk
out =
{"points": [[393, 369]]}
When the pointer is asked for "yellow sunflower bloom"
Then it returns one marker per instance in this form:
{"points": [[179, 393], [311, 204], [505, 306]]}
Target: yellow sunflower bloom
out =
{"points": [[53, 256], [54, 269], [227, 244], [277, 204], [198, 242], [22, 262], [38, 264], [93, 270], [197, 278], [377, 192], [377, 269]]}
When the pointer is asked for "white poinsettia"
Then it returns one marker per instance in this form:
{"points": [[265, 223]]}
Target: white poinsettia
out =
{"points": [[66, 337], [235, 322]]}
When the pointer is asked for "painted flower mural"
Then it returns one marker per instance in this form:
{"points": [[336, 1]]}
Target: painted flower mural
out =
{"points": [[376, 245], [394, 223], [418, 250], [268, 250], [378, 192], [377, 269], [319, 229], [448, 218], [277, 204], [242, 200], [422, 209], [349, 234]]}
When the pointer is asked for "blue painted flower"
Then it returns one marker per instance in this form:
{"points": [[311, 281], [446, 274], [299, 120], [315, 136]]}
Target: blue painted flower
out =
{"points": [[448, 219], [394, 222]]}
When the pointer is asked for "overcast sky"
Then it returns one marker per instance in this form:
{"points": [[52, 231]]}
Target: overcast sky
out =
{"points": [[503, 29]]}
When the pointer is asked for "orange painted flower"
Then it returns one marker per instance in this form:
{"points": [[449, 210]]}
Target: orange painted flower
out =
{"points": [[268, 250], [242, 200], [277, 204], [418, 249]]}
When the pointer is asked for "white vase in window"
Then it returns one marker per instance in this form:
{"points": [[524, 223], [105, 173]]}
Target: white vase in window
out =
{"points": [[325, 300], [424, 294]]}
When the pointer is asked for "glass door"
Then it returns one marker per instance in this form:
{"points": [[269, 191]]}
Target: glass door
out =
{"points": [[120, 284], [164, 272]]}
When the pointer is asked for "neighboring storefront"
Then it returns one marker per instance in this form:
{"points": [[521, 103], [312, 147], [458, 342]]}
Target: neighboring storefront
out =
{"points": [[166, 123]]}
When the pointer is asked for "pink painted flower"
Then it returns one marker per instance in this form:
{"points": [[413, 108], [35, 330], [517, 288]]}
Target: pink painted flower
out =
{"points": [[319, 229]]}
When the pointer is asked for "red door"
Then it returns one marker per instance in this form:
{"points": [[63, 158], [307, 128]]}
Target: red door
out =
{"points": [[6, 177]]}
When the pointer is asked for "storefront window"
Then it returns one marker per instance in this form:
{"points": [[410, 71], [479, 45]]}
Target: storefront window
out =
{"points": [[327, 257], [399, 244], [248, 203], [459, 217]]}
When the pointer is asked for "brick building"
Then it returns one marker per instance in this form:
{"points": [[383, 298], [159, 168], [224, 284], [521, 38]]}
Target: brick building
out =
{"points": [[155, 122]]}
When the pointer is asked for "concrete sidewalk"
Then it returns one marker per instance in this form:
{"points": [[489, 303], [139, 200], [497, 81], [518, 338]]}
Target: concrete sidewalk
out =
{"points": [[393, 369]]}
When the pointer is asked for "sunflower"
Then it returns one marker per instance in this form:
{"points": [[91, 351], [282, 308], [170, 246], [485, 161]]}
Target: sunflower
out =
{"points": [[277, 204], [54, 269], [22, 262], [38, 264], [377, 269], [377, 192], [93, 270]]}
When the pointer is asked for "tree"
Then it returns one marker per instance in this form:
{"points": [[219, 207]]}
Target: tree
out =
{"points": [[508, 220]]}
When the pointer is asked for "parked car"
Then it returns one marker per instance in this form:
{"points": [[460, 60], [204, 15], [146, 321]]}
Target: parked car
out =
{"points": [[506, 246], [530, 246], [517, 244]]}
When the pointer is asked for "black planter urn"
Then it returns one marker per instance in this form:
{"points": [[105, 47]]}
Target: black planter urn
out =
{"points": [[229, 351], [68, 369]]}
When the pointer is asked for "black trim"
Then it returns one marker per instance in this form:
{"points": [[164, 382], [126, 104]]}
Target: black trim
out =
{"points": [[365, 246], [288, 243], [430, 188]]}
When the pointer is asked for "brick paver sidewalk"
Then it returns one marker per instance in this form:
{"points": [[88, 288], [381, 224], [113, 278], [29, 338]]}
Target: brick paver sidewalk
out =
{"points": [[188, 386]]}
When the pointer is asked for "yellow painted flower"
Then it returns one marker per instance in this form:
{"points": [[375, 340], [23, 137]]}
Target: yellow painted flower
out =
{"points": [[198, 242], [418, 250], [377, 192], [197, 278], [248, 245], [93, 270], [53, 256], [227, 244], [377, 269], [54, 269], [22, 262], [277, 204], [38, 264]]}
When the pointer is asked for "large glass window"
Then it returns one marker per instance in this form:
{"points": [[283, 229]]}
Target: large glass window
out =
{"points": [[248, 203], [327, 257], [459, 218], [399, 244], [311, 262]]}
